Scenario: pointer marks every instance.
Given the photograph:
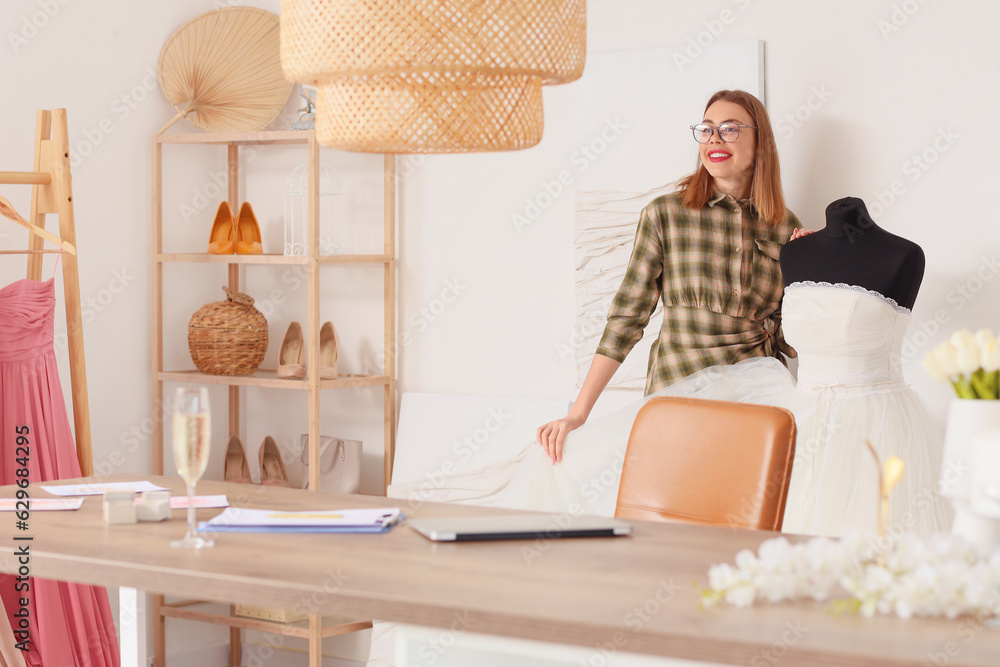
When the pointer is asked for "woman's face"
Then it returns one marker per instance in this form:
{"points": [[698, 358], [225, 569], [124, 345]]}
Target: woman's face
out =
{"points": [[729, 161]]}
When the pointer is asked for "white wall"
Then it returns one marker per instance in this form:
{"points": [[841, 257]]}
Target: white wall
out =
{"points": [[857, 89], [866, 102]]}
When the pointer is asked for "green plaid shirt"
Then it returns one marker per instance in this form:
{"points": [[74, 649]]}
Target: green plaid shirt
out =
{"points": [[717, 272]]}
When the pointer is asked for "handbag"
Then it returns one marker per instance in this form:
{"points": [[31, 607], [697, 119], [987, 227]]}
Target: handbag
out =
{"points": [[339, 461]]}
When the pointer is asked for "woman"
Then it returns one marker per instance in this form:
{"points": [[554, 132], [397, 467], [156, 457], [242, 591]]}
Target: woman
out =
{"points": [[710, 251]]}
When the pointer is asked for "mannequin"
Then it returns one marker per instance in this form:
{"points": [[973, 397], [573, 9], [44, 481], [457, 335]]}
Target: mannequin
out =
{"points": [[852, 249]]}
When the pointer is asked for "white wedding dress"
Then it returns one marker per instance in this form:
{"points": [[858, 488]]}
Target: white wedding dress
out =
{"points": [[850, 389]]}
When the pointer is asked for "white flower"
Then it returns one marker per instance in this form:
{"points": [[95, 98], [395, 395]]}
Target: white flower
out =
{"points": [[742, 595], [961, 337], [723, 576], [983, 336], [746, 561], [776, 548], [990, 356], [966, 351], [941, 576], [946, 358], [738, 589]]}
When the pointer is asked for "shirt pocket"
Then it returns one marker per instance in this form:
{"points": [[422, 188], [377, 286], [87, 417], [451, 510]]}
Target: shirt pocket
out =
{"points": [[766, 276], [770, 249]]}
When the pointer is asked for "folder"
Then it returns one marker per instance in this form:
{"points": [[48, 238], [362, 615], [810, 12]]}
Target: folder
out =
{"points": [[244, 520]]}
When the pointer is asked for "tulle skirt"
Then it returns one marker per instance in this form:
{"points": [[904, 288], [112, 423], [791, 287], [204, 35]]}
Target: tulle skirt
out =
{"points": [[834, 483]]}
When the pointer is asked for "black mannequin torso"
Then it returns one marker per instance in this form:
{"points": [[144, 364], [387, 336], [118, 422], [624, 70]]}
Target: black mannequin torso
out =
{"points": [[852, 249]]}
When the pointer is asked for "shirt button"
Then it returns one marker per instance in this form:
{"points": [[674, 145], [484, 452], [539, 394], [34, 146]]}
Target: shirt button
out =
{"points": [[736, 292], [738, 248]]}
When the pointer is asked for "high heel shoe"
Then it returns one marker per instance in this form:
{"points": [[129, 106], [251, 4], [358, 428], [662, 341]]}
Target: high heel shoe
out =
{"points": [[220, 242], [329, 352], [272, 466], [236, 468], [292, 353], [248, 238]]}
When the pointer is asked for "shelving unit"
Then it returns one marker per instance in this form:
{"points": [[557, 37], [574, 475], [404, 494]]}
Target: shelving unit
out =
{"points": [[316, 628], [214, 612]]}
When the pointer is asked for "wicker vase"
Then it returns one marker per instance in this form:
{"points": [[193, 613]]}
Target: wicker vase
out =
{"points": [[228, 337]]}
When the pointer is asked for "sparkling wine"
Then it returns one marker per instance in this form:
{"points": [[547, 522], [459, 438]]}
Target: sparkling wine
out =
{"points": [[191, 445], [192, 430]]}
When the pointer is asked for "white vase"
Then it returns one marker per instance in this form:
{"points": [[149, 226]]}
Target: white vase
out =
{"points": [[986, 470], [968, 419]]}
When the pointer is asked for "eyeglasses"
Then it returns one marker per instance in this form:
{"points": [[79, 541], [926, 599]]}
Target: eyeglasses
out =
{"points": [[728, 132]]}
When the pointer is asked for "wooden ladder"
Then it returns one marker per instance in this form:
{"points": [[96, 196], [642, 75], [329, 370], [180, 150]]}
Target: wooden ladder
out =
{"points": [[52, 192]]}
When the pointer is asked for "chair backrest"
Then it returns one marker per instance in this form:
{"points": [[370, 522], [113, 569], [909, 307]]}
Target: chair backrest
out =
{"points": [[709, 462]]}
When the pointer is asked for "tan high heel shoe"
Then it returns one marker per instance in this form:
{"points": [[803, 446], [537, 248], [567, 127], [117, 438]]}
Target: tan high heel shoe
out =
{"points": [[236, 467], [248, 238], [220, 242], [329, 352], [292, 353], [272, 466]]}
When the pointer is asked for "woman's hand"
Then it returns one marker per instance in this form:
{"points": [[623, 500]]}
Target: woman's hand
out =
{"points": [[552, 435], [799, 233]]}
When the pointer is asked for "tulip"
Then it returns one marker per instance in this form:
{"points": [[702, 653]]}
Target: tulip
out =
{"points": [[990, 361], [983, 336], [990, 356], [969, 361], [966, 354], [982, 384], [946, 355], [961, 336]]}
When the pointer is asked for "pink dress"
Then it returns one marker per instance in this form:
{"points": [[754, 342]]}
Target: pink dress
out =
{"points": [[69, 624]]}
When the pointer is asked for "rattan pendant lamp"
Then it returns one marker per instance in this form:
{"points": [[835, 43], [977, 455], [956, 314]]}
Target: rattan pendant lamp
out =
{"points": [[431, 76]]}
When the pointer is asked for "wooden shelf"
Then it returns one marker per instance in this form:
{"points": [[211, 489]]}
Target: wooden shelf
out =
{"points": [[270, 379], [238, 138], [270, 259], [218, 614]]}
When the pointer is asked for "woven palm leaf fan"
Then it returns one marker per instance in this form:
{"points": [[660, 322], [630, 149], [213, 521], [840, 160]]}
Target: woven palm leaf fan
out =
{"points": [[223, 70]]}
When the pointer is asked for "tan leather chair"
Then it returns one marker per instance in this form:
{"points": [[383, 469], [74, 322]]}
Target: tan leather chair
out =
{"points": [[708, 462]]}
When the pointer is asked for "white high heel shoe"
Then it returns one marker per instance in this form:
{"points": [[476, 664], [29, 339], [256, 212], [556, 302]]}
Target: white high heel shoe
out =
{"points": [[329, 352], [292, 353]]}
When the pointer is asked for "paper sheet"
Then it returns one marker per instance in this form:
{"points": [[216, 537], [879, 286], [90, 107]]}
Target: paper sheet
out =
{"points": [[200, 502], [99, 489], [41, 504]]}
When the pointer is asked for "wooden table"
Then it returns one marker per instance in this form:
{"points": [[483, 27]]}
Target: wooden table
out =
{"points": [[635, 593]]}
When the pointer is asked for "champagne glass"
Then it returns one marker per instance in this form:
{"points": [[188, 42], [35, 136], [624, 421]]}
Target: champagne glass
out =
{"points": [[192, 431]]}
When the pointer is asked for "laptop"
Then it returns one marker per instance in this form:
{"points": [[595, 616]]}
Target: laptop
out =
{"points": [[517, 527]]}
